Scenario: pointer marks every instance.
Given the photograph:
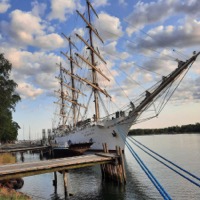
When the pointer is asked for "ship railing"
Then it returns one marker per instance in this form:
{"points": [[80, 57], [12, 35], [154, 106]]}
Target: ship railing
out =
{"points": [[124, 112]]}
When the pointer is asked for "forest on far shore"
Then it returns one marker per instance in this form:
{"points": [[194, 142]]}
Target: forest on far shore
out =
{"points": [[190, 128]]}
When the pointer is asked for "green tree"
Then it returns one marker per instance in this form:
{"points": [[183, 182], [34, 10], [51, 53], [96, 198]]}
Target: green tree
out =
{"points": [[8, 101]]}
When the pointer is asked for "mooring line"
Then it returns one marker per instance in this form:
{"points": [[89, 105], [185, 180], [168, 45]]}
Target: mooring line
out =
{"points": [[149, 174], [166, 164], [158, 186], [189, 173]]}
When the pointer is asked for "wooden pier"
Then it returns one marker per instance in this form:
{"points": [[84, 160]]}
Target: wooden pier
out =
{"points": [[34, 168], [25, 149], [112, 167]]}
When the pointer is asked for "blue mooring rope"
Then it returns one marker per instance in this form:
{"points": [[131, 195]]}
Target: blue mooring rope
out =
{"points": [[158, 186], [167, 165], [149, 174], [187, 172]]}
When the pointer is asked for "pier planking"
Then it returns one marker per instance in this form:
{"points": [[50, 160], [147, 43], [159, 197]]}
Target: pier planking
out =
{"points": [[34, 168], [24, 149]]}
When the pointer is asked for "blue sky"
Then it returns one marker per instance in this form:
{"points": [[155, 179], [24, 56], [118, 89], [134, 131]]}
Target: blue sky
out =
{"points": [[134, 33]]}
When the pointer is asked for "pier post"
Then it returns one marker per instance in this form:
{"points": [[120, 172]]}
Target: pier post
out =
{"points": [[55, 181], [22, 156], [114, 171], [41, 154], [65, 182], [122, 165], [52, 152], [119, 170]]}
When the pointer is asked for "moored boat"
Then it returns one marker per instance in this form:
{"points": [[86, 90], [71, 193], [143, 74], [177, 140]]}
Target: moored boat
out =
{"points": [[83, 121]]}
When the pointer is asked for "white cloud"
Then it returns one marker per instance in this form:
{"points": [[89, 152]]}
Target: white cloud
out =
{"points": [[36, 68], [123, 2], [109, 72], [38, 8], [26, 29], [161, 64], [23, 27], [182, 36], [49, 41], [184, 90], [26, 21], [46, 81], [149, 13], [109, 27], [195, 67], [27, 90], [126, 66], [99, 3], [79, 31], [111, 50], [60, 9], [4, 6]]}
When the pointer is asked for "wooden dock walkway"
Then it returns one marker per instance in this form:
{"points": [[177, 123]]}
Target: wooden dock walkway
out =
{"points": [[34, 168], [112, 166], [24, 149]]}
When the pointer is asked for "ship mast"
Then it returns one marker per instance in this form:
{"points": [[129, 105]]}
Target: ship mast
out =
{"points": [[74, 91], [92, 62], [62, 110], [73, 85], [94, 73], [73, 95]]}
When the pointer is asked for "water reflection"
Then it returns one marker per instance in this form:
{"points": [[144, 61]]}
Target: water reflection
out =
{"points": [[86, 183]]}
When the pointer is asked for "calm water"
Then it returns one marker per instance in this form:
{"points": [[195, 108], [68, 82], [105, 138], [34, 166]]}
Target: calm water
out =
{"points": [[86, 183]]}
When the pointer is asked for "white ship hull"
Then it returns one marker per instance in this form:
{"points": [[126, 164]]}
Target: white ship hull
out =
{"points": [[113, 132]]}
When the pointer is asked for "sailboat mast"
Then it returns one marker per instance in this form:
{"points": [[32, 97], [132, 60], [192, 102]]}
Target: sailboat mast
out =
{"points": [[94, 73], [73, 85], [62, 109]]}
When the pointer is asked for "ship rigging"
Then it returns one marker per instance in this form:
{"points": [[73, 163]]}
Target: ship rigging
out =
{"points": [[82, 124]]}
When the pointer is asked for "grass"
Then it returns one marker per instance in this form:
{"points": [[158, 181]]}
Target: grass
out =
{"points": [[7, 158], [10, 194]]}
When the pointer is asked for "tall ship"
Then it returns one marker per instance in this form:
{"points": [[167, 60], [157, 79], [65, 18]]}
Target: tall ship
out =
{"points": [[85, 120]]}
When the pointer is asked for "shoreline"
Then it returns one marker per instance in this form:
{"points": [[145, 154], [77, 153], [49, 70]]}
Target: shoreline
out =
{"points": [[172, 133], [184, 129]]}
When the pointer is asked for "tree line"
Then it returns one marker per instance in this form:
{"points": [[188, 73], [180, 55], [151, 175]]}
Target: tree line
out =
{"points": [[8, 100], [190, 128]]}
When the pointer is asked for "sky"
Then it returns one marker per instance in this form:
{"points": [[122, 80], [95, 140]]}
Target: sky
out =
{"points": [[137, 35]]}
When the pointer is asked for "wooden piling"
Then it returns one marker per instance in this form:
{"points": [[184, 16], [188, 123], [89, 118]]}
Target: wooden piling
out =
{"points": [[55, 182], [22, 156], [41, 154], [114, 171], [103, 165], [117, 165], [65, 182], [119, 171], [122, 165]]}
